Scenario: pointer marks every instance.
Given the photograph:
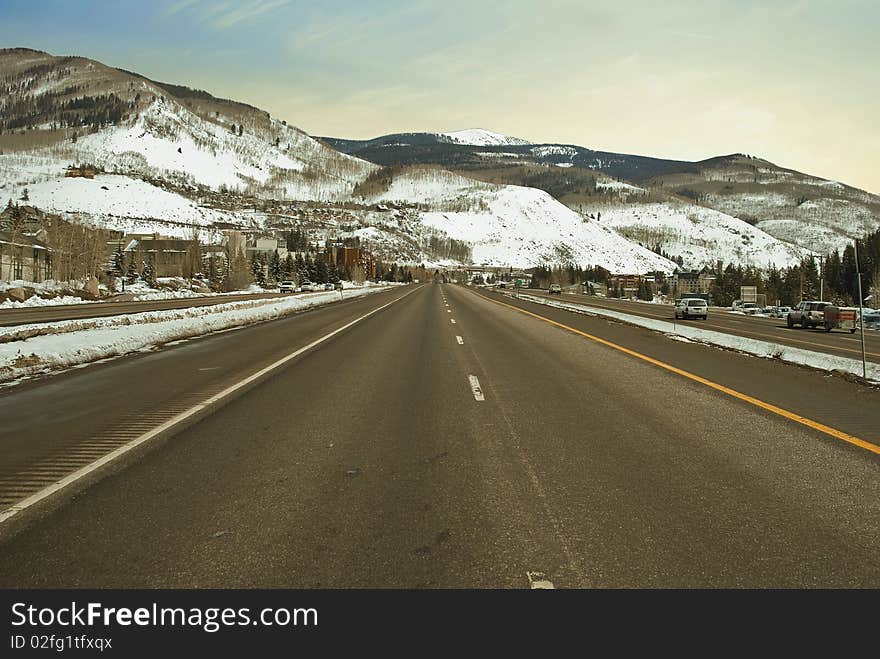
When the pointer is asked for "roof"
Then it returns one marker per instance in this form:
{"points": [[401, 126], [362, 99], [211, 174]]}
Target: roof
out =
{"points": [[161, 245], [22, 240]]}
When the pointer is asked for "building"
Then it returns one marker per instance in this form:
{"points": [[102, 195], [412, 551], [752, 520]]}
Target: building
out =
{"points": [[629, 285], [683, 283], [24, 257], [170, 257]]}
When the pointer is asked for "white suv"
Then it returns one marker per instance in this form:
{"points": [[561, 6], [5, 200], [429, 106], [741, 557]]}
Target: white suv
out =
{"points": [[692, 307]]}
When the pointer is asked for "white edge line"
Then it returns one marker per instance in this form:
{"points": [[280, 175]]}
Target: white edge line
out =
{"points": [[36, 497]]}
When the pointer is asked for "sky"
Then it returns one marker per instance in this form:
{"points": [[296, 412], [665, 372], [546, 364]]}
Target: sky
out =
{"points": [[792, 81]]}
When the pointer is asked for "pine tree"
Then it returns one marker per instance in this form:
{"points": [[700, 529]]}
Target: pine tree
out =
{"points": [[148, 274], [118, 263], [321, 272], [275, 274], [287, 268], [257, 269], [25, 195], [131, 274], [333, 274]]}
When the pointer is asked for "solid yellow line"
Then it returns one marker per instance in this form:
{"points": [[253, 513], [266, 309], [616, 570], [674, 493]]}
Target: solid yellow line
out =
{"points": [[815, 425]]}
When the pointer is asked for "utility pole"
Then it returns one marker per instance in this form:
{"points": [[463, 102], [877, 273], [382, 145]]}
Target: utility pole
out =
{"points": [[861, 318], [821, 278]]}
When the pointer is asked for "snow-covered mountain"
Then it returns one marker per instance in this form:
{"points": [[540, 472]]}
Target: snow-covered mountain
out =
{"points": [[481, 137], [806, 211], [57, 111], [170, 158], [515, 226]]}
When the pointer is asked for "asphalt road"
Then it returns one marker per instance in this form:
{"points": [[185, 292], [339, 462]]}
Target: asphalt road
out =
{"points": [[52, 314], [375, 460], [837, 342]]}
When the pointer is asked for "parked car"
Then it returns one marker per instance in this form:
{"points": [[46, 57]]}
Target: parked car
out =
{"points": [[555, 289], [807, 314], [287, 286], [692, 307], [309, 287], [328, 286]]}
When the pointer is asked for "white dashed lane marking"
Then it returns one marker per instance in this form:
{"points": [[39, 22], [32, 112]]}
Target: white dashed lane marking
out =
{"points": [[460, 340], [476, 388], [538, 582]]}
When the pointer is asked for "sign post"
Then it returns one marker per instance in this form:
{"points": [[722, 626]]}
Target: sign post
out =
{"points": [[861, 315]]}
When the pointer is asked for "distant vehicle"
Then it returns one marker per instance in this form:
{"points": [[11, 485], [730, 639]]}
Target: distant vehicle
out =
{"points": [[692, 307], [502, 284], [749, 308], [555, 289], [871, 317], [308, 287], [769, 310], [781, 312], [328, 287], [736, 305], [287, 286], [807, 314]]}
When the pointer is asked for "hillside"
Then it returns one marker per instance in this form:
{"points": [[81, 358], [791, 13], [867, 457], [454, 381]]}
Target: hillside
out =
{"points": [[170, 158], [57, 111], [792, 207], [512, 225]]}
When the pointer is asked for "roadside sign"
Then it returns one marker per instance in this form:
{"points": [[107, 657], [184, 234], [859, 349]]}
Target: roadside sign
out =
{"points": [[748, 293]]}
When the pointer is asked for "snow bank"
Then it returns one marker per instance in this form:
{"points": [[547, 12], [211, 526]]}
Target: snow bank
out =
{"points": [[677, 331], [78, 342]]}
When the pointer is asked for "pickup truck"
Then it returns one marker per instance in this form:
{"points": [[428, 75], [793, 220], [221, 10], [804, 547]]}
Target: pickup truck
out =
{"points": [[807, 314]]}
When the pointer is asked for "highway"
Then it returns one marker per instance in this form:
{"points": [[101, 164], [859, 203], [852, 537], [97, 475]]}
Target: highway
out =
{"points": [[55, 313], [436, 436], [837, 342]]}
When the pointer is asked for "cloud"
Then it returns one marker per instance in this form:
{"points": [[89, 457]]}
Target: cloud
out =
{"points": [[223, 15]]}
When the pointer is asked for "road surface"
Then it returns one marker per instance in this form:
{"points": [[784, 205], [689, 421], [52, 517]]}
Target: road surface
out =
{"points": [[506, 449]]}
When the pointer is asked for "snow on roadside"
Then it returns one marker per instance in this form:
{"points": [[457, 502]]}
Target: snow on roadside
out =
{"points": [[766, 349], [113, 336]]}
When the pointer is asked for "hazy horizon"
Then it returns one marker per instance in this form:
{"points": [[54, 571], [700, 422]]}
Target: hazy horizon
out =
{"points": [[794, 83]]}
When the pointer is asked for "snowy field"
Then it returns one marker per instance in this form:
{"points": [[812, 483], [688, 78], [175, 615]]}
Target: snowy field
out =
{"points": [[678, 331], [29, 350]]}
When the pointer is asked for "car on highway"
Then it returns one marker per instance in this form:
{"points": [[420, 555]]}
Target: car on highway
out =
{"points": [[555, 289], [780, 312], [287, 286], [501, 284], [808, 313], [768, 311], [749, 308], [328, 286], [308, 287], [692, 307]]}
